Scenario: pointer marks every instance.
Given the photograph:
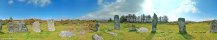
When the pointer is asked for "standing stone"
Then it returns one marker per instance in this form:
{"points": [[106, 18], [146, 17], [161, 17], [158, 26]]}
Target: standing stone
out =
{"points": [[23, 27], [0, 26], [97, 37], [97, 26], [181, 22], [11, 27], [17, 27], [213, 26], [154, 23], [116, 22], [36, 26], [51, 25]]}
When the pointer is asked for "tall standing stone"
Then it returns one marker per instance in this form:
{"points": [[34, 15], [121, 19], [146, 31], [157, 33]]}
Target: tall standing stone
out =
{"points": [[116, 22], [97, 26], [36, 26], [154, 23], [51, 25], [213, 26], [181, 22]]}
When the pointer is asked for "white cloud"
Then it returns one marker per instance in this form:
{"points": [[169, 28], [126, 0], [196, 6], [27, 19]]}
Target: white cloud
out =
{"points": [[40, 3], [171, 8], [119, 7], [187, 6], [10, 2]]}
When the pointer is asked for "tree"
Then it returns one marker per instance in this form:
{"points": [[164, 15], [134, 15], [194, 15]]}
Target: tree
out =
{"points": [[148, 19], [11, 19], [123, 19], [143, 18], [165, 18], [134, 18], [110, 19]]}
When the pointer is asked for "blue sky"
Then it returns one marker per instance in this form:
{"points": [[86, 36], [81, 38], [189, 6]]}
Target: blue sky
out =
{"points": [[195, 10]]}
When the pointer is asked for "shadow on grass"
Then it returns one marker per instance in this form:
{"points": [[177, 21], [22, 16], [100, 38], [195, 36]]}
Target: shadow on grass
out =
{"points": [[2, 33], [186, 36], [150, 36]]}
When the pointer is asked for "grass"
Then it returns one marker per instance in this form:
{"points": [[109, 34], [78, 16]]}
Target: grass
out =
{"points": [[165, 31]]}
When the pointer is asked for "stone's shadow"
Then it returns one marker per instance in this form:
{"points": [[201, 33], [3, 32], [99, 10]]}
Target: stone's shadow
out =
{"points": [[150, 36], [2, 33], [186, 36]]}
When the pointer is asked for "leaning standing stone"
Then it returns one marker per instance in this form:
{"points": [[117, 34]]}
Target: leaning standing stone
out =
{"points": [[97, 37], [181, 22], [36, 26], [213, 26], [154, 23], [51, 25], [116, 22]]}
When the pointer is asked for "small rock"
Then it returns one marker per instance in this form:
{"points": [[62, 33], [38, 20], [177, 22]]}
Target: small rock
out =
{"points": [[66, 34], [112, 33], [97, 37], [143, 29]]}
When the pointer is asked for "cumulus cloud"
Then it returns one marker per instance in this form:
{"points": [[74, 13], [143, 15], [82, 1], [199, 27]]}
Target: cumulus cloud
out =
{"points": [[10, 2], [170, 8], [40, 3], [187, 6], [118, 7]]}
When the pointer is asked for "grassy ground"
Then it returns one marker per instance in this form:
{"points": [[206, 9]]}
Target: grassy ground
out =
{"points": [[165, 31]]}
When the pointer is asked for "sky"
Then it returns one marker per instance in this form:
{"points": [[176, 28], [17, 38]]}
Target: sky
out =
{"points": [[193, 10]]}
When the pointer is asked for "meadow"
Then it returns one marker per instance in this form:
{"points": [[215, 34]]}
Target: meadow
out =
{"points": [[165, 31]]}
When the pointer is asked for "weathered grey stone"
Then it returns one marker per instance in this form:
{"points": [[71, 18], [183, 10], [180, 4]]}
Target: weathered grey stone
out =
{"points": [[181, 22], [213, 26], [116, 22], [97, 37], [17, 27], [154, 23], [11, 27], [36, 26], [142, 29], [66, 34], [112, 33], [23, 27], [96, 26], [51, 26], [132, 28]]}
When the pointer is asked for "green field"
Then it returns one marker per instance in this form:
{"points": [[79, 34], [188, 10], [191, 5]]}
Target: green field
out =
{"points": [[165, 31]]}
